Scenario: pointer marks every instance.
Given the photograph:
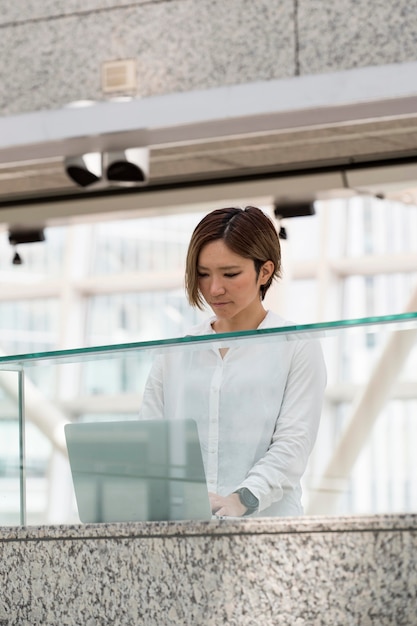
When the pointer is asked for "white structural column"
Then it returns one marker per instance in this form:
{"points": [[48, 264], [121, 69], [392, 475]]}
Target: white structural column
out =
{"points": [[39, 410], [67, 378], [364, 414], [329, 305], [72, 310]]}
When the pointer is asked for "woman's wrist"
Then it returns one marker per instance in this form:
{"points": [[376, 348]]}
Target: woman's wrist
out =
{"points": [[248, 499]]}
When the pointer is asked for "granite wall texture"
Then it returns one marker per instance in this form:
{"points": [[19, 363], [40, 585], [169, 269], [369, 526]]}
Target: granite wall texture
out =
{"points": [[51, 52], [305, 572]]}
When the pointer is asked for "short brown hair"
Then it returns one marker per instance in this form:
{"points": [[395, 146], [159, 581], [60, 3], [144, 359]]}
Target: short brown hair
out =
{"points": [[247, 232]]}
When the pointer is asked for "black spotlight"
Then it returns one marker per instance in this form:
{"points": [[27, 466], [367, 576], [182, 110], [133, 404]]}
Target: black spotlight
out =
{"points": [[19, 235], [84, 170], [282, 233], [17, 259], [284, 210], [130, 167]]}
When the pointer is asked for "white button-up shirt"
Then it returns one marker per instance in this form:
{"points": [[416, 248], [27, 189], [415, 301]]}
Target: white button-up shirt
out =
{"points": [[257, 411]]}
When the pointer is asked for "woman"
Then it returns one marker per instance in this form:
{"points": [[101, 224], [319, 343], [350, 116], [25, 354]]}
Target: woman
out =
{"points": [[257, 405]]}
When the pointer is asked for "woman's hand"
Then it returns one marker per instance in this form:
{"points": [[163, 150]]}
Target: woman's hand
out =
{"points": [[230, 506]]}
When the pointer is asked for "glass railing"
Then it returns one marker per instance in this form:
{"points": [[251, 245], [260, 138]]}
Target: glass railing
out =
{"points": [[83, 439]]}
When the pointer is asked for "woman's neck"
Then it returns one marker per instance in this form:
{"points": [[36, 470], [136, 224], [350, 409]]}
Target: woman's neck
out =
{"points": [[235, 325]]}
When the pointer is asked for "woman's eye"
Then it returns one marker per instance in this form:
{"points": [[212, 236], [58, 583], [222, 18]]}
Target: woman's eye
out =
{"points": [[232, 275], [202, 275]]}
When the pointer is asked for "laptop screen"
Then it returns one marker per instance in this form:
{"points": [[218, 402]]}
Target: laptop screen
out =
{"points": [[144, 470]]}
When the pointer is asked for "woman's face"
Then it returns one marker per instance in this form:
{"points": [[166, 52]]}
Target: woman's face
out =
{"points": [[228, 282]]}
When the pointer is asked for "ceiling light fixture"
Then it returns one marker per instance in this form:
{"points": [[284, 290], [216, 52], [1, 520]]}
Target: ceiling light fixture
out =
{"points": [[127, 167], [84, 170]]}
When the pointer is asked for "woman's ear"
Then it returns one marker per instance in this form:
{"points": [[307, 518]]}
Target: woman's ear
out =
{"points": [[266, 272]]}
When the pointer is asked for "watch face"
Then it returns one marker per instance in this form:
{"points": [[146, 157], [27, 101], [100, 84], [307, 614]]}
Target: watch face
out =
{"points": [[248, 499]]}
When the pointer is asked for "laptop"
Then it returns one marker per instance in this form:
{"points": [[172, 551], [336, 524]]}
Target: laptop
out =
{"points": [[142, 470]]}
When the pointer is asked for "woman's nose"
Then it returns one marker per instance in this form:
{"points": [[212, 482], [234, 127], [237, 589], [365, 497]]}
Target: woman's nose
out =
{"points": [[216, 287]]}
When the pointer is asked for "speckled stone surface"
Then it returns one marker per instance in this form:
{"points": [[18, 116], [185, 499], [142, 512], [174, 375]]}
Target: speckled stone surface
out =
{"points": [[179, 45], [308, 571], [51, 52], [355, 33]]}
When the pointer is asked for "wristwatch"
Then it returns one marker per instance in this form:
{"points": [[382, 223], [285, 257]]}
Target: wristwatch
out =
{"points": [[248, 500]]}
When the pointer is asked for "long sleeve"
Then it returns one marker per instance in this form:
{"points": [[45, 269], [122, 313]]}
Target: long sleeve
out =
{"points": [[283, 464]]}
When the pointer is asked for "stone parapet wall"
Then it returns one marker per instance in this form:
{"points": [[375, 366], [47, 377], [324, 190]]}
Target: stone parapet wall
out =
{"points": [[295, 572]]}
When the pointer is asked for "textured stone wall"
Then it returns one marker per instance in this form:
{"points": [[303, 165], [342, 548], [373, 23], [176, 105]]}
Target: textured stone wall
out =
{"points": [[335, 572], [51, 52]]}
